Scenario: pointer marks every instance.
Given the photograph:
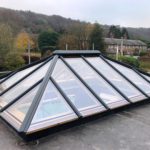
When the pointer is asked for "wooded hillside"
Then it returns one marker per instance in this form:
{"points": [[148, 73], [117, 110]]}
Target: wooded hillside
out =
{"points": [[35, 23]]}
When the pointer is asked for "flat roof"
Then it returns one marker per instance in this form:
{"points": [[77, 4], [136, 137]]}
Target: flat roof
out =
{"points": [[126, 130]]}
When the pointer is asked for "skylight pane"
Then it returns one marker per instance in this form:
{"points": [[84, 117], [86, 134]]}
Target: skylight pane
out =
{"points": [[100, 87], [16, 77], [52, 105], [23, 85], [116, 79], [19, 109], [73, 88], [147, 77], [133, 76]]}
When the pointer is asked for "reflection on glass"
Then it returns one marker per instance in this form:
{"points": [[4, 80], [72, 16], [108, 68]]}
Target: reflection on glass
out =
{"points": [[100, 87], [21, 107], [147, 77], [52, 105], [23, 85], [16, 77], [133, 76], [73, 88], [124, 86]]}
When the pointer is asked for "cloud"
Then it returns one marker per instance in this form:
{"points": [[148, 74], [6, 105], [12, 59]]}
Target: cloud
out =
{"points": [[121, 12]]}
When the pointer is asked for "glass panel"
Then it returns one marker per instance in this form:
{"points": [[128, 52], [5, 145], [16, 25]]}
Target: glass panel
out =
{"points": [[147, 77], [21, 107], [23, 85], [52, 105], [16, 77], [133, 76], [101, 88], [117, 80], [73, 88]]}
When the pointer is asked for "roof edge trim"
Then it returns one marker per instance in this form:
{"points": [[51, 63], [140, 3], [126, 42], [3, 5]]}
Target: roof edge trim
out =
{"points": [[76, 52]]}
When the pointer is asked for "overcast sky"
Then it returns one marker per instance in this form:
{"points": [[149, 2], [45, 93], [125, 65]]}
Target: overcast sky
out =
{"points": [[133, 13]]}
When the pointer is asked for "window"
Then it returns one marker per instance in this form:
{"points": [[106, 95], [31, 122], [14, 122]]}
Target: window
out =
{"points": [[23, 85], [133, 76], [52, 110], [116, 79], [100, 87], [147, 77], [73, 88], [51, 105], [21, 107], [9, 82]]}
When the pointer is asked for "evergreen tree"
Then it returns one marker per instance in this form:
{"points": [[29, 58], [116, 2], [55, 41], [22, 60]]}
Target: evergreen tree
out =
{"points": [[114, 32], [47, 40], [125, 33], [96, 38]]}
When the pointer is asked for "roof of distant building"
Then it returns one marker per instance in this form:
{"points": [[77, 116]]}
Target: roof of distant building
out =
{"points": [[113, 41]]}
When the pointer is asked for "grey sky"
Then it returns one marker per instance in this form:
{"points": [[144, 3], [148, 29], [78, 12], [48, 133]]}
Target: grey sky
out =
{"points": [[133, 13]]}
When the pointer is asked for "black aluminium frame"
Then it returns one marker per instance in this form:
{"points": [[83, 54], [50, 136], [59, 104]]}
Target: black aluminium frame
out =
{"points": [[28, 119], [133, 84], [20, 96], [137, 70], [48, 77], [30, 114], [105, 79], [13, 85], [85, 84]]}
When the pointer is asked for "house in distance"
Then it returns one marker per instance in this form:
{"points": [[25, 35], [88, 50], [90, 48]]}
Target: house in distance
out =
{"points": [[128, 47]]}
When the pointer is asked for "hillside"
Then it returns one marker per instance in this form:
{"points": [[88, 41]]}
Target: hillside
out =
{"points": [[35, 23]]}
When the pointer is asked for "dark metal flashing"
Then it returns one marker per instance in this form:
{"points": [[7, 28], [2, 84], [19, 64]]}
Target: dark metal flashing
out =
{"points": [[140, 90], [75, 53], [66, 98], [31, 112], [86, 85], [13, 85], [105, 79], [20, 96]]}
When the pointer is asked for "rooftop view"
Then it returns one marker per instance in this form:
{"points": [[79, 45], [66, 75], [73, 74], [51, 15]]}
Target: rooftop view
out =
{"points": [[75, 79]]}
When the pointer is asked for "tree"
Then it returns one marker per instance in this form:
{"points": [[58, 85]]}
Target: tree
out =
{"points": [[22, 42], [124, 33], [82, 33], [47, 40], [68, 39], [13, 61], [97, 38], [114, 32], [117, 32], [6, 42]]}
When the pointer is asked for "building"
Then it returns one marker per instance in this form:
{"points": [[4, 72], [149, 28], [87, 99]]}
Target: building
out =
{"points": [[126, 46]]}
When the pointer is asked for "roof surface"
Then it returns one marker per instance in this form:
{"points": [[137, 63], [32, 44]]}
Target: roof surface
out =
{"points": [[114, 41], [127, 130], [69, 89]]}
